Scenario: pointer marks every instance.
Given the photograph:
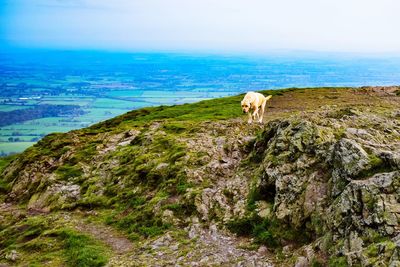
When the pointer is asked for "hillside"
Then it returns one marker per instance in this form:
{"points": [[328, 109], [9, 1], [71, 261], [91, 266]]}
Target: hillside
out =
{"points": [[317, 184]]}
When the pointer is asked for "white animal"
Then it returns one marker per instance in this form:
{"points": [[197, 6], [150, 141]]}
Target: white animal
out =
{"points": [[254, 104]]}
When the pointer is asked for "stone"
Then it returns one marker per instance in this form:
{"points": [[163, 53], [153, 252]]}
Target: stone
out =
{"points": [[12, 255], [263, 250], [175, 247], [349, 158], [301, 262], [287, 250], [168, 217], [163, 241], [357, 132]]}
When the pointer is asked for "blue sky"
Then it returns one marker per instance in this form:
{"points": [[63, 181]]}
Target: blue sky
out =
{"points": [[370, 26]]}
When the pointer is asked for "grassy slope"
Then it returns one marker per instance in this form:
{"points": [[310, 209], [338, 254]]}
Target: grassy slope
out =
{"points": [[284, 101], [131, 211]]}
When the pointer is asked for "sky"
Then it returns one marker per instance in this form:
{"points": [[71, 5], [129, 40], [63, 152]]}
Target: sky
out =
{"points": [[364, 26]]}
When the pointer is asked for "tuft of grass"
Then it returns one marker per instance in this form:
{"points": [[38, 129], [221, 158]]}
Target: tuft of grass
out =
{"points": [[40, 242], [181, 209], [376, 165], [242, 227], [265, 231], [255, 227], [82, 251], [138, 222], [175, 127], [4, 161], [265, 192], [316, 263], [5, 186], [337, 262], [67, 172]]}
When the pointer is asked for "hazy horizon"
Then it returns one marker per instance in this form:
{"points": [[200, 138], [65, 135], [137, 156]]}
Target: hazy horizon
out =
{"points": [[255, 27]]}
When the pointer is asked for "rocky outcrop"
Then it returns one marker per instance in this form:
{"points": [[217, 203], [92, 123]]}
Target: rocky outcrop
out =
{"points": [[339, 183]]}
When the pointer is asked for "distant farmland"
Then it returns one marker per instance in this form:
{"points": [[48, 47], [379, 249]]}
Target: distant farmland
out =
{"points": [[103, 85]]}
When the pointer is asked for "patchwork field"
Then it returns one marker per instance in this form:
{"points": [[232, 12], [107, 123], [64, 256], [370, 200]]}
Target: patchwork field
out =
{"points": [[96, 86], [17, 137]]}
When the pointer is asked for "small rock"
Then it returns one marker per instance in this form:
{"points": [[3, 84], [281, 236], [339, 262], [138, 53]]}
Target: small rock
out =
{"points": [[309, 252], [263, 250], [263, 210], [124, 143], [162, 166], [204, 260], [396, 240], [214, 232], [91, 212], [162, 242], [358, 132], [13, 255], [248, 139], [175, 247], [168, 216], [193, 232], [286, 249], [301, 262]]}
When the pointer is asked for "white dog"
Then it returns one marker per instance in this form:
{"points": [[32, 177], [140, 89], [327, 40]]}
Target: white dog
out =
{"points": [[254, 104]]}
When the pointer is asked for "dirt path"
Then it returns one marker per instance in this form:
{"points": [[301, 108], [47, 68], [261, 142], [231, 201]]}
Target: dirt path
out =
{"points": [[192, 246], [121, 248], [118, 243]]}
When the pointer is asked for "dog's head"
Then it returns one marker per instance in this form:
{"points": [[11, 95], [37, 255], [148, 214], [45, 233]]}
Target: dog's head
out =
{"points": [[245, 105]]}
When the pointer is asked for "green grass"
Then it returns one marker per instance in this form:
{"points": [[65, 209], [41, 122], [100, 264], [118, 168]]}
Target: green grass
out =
{"points": [[82, 251], [270, 232], [101, 109], [98, 109], [137, 222], [67, 172], [107, 103], [20, 138], [14, 147], [36, 128], [4, 108], [196, 112], [42, 241], [337, 262], [4, 161]]}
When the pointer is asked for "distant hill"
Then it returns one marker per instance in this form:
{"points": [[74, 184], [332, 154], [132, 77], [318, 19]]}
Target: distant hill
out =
{"points": [[317, 184]]}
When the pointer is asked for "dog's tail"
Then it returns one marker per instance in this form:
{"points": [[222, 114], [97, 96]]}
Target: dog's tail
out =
{"points": [[268, 98]]}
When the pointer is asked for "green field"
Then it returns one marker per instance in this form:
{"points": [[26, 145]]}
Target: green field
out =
{"points": [[5, 108], [15, 147], [17, 137], [125, 93]]}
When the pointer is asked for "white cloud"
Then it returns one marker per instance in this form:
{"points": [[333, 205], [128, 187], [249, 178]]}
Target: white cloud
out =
{"points": [[249, 25]]}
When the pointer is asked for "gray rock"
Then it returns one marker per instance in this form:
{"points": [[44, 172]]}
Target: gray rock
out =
{"points": [[263, 250], [301, 262], [12, 255], [349, 158]]}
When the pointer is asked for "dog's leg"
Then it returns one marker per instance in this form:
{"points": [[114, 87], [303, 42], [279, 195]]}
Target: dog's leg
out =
{"points": [[250, 118], [262, 111], [255, 114]]}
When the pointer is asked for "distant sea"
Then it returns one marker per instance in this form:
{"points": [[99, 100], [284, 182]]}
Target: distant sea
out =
{"points": [[94, 86]]}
